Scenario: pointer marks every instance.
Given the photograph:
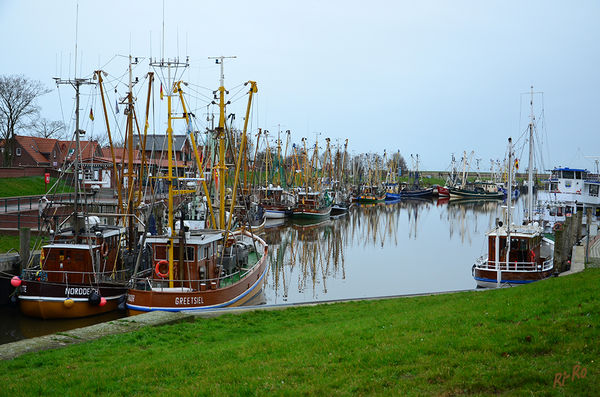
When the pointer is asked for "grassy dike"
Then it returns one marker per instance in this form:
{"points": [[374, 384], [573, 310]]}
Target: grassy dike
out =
{"points": [[510, 341]]}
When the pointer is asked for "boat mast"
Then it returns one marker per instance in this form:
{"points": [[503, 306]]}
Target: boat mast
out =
{"points": [[221, 136], [508, 202], [530, 170], [174, 64], [76, 83], [130, 228]]}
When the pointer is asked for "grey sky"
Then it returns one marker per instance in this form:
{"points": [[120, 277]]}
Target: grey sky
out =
{"points": [[426, 77]]}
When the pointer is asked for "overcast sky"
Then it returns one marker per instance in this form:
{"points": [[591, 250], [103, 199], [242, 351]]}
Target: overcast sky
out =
{"points": [[423, 77]]}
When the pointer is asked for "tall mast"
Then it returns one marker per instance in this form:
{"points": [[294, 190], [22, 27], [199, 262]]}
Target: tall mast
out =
{"points": [[76, 83], [509, 201], [174, 64], [130, 206], [221, 136], [530, 170]]}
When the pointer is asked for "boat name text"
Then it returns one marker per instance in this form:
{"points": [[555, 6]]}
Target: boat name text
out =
{"points": [[189, 300]]}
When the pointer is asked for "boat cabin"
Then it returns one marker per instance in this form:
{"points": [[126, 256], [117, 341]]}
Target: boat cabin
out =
{"points": [[526, 249]]}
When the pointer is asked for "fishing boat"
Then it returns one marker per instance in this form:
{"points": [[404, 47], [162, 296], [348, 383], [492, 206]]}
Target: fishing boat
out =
{"points": [[276, 202], [207, 269], [312, 205], [370, 194], [80, 272], [516, 254], [415, 189], [475, 191]]}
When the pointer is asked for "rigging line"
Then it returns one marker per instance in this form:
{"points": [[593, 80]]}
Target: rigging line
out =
{"points": [[200, 86]]}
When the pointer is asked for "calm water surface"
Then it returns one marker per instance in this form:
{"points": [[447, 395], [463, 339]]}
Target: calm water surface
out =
{"points": [[412, 246]]}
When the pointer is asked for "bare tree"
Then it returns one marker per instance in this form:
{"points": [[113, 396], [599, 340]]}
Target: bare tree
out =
{"points": [[17, 108], [45, 128]]}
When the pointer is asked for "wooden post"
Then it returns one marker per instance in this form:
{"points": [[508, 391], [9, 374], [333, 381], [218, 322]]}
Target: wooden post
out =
{"points": [[24, 238]]}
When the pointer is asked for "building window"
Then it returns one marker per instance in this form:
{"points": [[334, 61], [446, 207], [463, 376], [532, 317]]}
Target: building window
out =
{"points": [[18, 151]]}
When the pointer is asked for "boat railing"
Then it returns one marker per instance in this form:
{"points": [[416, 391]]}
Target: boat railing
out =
{"points": [[485, 264], [146, 279], [37, 274]]}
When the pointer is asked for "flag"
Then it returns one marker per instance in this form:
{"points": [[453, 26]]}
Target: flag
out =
{"points": [[116, 106], [516, 164], [91, 114], [161, 92]]}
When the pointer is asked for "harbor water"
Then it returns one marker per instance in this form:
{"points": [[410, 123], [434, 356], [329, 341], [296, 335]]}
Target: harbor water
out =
{"points": [[407, 247]]}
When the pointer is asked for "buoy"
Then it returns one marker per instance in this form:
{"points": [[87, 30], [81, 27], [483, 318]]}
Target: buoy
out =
{"points": [[102, 301], [68, 303], [15, 281], [94, 298]]}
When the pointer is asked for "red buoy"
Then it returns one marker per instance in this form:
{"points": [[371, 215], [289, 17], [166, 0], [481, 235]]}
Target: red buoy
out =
{"points": [[102, 301], [15, 281]]}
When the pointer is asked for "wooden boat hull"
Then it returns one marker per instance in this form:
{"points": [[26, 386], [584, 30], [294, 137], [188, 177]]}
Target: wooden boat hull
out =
{"points": [[443, 191], [338, 210], [141, 301], [47, 300], [416, 193], [370, 199], [488, 278], [272, 213], [312, 214], [463, 193]]}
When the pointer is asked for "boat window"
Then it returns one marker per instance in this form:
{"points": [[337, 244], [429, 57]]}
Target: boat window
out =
{"points": [[568, 174], [559, 211], [594, 190], [202, 252], [189, 254], [577, 174], [553, 186]]}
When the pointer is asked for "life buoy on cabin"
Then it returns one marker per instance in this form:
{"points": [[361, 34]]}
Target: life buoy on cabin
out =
{"points": [[104, 249], [157, 269], [557, 226]]}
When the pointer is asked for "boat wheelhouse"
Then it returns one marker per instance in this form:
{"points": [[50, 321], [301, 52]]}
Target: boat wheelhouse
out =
{"points": [[76, 278], [277, 202], [520, 256], [312, 205]]}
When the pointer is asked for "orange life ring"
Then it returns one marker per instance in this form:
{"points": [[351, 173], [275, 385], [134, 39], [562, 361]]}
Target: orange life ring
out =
{"points": [[104, 249], [157, 269], [557, 226]]}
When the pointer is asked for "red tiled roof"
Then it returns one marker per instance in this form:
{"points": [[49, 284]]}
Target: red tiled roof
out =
{"points": [[36, 147]]}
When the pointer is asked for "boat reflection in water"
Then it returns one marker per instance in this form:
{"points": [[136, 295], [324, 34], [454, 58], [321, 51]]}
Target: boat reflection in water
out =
{"points": [[380, 249]]}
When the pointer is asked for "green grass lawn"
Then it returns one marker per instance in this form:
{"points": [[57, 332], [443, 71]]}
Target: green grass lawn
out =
{"points": [[11, 243], [28, 186], [511, 341]]}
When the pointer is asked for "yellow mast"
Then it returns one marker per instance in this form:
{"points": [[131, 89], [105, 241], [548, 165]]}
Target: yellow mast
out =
{"points": [[221, 167], [112, 150], [253, 90], [197, 155]]}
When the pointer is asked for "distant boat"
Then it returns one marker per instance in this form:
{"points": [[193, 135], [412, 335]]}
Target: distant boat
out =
{"points": [[312, 205], [443, 191], [475, 192]]}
